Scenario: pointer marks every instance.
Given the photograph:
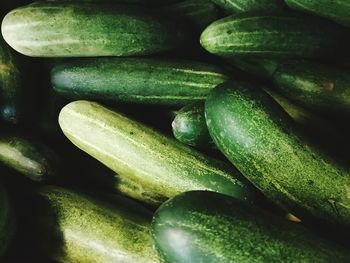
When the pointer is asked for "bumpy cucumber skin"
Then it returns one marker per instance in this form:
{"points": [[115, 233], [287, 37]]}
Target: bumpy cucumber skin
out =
{"points": [[198, 13], [314, 85], [273, 36], [151, 166], [189, 126], [34, 160], [336, 10], [54, 29], [261, 140], [77, 228], [10, 85], [243, 6], [7, 221], [136, 80], [222, 229]]}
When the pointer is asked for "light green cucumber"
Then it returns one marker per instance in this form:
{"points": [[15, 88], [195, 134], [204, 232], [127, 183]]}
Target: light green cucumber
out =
{"points": [[243, 6], [74, 227], [67, 29], [151, 166]]}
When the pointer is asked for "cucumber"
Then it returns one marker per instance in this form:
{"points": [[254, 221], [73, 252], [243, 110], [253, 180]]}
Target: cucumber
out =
{"points": [[7, 221], [261, 140], [136, 80], [243, 6], [11, 88], [54, 29], [274, 36], [197, 14], [74, 227], [189, 126], [336, 10], [314, 85], [31, 159], [223, 229], [151, 166], [260, 67]]}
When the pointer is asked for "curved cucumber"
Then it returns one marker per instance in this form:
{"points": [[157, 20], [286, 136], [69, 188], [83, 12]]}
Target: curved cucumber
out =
{"points": [[33, 160], [7, 221], [243, 6], [336, 10], [274, 36], [196, 13], [189, 126], [11, 91], [222, 229], [140, 80], [314, 85], [263, 143], [54, 29], [76, 228], [151, 166]]}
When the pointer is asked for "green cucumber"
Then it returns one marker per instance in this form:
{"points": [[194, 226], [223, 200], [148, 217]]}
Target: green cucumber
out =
{"points": [[197, 14], [204, 226], [151, 166], [7, 221], [262, 141], [54, 29], [243, 6], [274, 36], [336, 10], [314, 85], [32, 159], [11, 90], [140, 80], [189, 126], [77, 228]]}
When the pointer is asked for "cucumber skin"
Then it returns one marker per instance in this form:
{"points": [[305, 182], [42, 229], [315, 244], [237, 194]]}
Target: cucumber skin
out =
{"points": [[197, 14], [7, 221], [53, 29], [224, 229], [314, 85], [267, 148], [336, 10], [77, 228], [151, 166], [34, 160], [243, 6], [11, 93], [136, 80], [274, 36], [189, 126]]}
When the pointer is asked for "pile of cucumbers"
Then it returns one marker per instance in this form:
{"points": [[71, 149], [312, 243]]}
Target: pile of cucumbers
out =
{"points": [[144, 131]]}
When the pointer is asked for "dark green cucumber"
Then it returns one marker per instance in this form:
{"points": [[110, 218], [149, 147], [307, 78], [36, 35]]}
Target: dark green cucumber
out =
{"points": [[189, 126], [314, 85], [7, 221], [67, 29], [274, 36], [243, 6], [336, 10], [262, 141], [197, 14], [140, 80], [151, 166], [204, 226], [77, 228], [11, 90], [32, 159]]}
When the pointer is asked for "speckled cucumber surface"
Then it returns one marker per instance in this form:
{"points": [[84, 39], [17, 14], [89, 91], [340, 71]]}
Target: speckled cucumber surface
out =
{"points": [[261, 140]]}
